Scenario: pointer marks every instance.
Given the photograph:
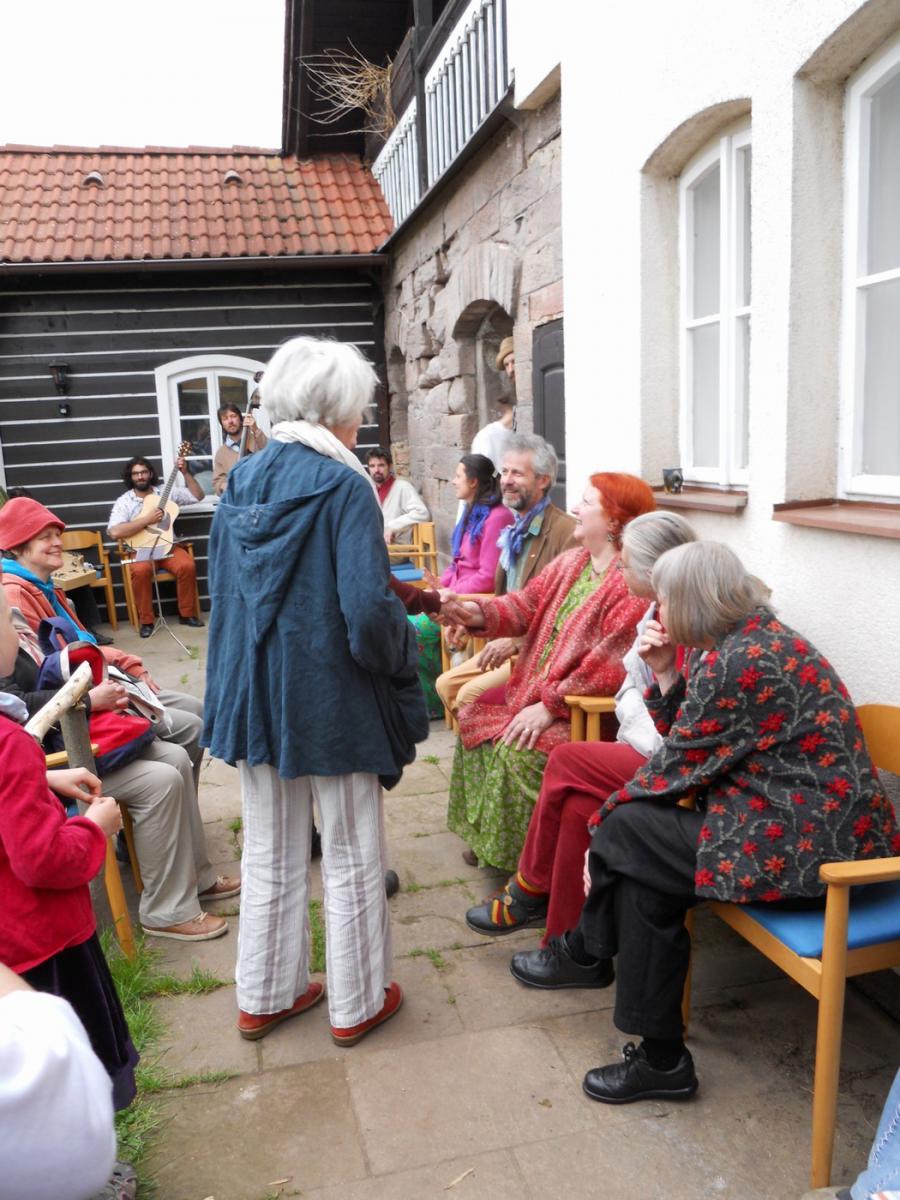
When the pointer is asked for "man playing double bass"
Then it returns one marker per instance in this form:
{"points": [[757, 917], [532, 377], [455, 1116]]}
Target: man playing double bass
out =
{"points": [[128, 518], [233, 422]]}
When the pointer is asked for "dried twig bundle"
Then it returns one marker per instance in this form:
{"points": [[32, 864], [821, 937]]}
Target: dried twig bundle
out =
{"points": [[343, 81]]}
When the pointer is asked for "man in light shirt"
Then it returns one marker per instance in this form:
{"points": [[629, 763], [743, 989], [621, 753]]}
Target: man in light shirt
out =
{"points": [[401, 505]]}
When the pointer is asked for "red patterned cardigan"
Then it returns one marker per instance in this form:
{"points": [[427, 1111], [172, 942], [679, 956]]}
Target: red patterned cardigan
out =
{"points": [[586, 659], [765, 732]]}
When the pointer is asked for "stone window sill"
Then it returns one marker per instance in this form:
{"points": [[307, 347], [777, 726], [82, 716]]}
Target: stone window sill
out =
{"points": [[730, 501], [843, 516]]}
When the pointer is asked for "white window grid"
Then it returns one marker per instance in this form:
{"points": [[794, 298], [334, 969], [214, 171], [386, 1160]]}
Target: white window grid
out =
{"points": [[209, 368], [734, 232], [853, 481]]}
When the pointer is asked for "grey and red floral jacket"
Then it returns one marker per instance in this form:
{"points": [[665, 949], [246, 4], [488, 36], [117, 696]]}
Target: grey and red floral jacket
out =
{"points": [[765, 735]]}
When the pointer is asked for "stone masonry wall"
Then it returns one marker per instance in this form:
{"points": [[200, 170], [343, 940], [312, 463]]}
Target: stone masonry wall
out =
{"points": [[488, 249]]}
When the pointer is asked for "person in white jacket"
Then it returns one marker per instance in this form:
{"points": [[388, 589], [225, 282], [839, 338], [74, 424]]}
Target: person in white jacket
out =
{"points": [[57, 1140], [401, 505], [547, 887]]}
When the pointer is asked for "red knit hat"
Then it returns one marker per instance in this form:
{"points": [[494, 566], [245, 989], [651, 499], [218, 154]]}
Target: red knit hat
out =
{"points": [[21, 519]]}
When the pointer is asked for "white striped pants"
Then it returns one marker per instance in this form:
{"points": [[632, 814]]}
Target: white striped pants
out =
{"points": [[273, 943]]}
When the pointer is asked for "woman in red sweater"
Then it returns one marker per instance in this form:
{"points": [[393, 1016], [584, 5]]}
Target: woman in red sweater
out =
{"points": [[47, 926]]}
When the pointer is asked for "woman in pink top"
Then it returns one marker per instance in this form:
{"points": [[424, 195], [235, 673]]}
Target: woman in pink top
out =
{"points": [[475, 558], [474, 545]]}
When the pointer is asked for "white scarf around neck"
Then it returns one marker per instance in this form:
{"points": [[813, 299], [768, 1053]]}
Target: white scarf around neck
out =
{"points": [[323, 441]]}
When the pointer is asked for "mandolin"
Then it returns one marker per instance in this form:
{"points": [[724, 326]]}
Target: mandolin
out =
{"points": [[160, 536]]}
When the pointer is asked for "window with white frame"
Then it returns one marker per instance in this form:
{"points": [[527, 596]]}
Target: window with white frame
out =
{"points": [[870, 367], [714, 205], [189, 393]]}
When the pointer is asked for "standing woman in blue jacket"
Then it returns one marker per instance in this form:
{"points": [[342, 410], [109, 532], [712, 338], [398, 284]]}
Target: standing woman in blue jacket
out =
{"points": [[312, 692]]}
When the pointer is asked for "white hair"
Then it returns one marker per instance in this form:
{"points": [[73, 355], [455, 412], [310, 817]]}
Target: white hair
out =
{"points": [[544, 459], [708, 590], [649, 536], [317, 380]]}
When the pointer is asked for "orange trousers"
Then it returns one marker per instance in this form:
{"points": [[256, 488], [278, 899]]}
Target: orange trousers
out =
{"points": [[182, 566]]}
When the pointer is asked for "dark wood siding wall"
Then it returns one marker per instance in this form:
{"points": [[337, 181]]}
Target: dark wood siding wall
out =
{"points": [[114, 331]]}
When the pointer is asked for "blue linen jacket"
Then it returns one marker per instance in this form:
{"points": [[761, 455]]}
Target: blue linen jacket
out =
{"points": [[312, 662]]}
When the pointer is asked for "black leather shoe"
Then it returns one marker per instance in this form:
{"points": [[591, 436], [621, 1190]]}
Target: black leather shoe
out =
{"points": [[507, 911], [194, 622], [554, 967], [634, 1079], [146, 630], [101, 638], [391, 883]]}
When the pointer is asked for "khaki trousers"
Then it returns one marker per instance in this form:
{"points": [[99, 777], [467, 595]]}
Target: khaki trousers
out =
{"points": [[465, 683], [158, 791]]}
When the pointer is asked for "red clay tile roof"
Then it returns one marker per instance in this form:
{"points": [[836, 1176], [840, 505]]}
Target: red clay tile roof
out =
{"points": [[159, 204]]}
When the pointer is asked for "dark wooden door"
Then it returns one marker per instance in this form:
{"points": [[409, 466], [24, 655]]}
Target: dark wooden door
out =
{"points": [[549, 391]]}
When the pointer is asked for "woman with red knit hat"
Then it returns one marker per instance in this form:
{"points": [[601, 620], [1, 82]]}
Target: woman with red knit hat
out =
{"points": [[577, 619]]}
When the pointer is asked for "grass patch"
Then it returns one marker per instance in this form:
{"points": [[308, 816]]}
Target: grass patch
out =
{"points": [[317, 936], [182, 679], [138, 981], [235, 828], [166, 1083], [434, 957], [413, 887], [193, 652], [431, 758]]}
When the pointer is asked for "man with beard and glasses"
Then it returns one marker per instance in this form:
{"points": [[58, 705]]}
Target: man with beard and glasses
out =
{"points": [[128, 518], [540, 532]]}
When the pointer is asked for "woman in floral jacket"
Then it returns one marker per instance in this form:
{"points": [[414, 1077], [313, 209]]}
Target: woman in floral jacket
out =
{"points": [[766, 739], [577, 620]]}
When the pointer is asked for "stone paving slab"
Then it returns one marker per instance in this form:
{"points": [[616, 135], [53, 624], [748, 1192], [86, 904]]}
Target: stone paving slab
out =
{"points": [[480, 1091], [427, 1014], [217, 956], [415, 816], [234, 1140], [432, 919], [420, 778], [493, 1176], [189, 1047]]}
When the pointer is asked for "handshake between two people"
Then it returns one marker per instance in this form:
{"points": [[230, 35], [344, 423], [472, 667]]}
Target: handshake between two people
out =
{"points": [[460, 616]]}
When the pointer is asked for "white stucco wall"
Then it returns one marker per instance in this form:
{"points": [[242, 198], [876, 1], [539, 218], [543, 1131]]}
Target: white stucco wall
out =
{"points": [[631, 76], [534, 39]]}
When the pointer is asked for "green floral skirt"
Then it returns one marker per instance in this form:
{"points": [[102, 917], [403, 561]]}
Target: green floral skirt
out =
{"points": [[428, 641], [493, 790]]}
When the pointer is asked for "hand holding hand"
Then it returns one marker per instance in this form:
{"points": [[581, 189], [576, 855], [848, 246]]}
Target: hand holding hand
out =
{"points": [[527, 726], [75, 783], [463, 612], [106, 813], [108, 696], [496, 653]]}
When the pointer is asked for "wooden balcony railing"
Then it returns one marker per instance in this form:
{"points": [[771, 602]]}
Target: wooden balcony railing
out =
{"points": [[458, 88]]}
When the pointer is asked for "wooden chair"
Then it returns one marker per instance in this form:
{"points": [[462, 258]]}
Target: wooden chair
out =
{"points": [[126, 557], [586, 712], [112, 876], [421, 548], [820, 949], [92, 540]]}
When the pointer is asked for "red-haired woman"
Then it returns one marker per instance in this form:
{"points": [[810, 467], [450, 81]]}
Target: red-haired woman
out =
{"points": [[577, 619]]}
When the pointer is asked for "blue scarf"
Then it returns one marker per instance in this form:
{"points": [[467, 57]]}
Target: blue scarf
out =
{"points": [[471, 522], [11, 567], [512, 536]]}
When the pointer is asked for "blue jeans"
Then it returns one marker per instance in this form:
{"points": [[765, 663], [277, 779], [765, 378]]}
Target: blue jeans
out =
{"points": [[883, 1171]]}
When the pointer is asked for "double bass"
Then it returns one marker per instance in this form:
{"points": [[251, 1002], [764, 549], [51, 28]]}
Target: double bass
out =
{"points": [[253, 402]]}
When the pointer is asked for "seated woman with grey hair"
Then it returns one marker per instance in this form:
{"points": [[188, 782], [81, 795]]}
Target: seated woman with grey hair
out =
{"points": [[312, 691], [764, 736], [547, 887]]}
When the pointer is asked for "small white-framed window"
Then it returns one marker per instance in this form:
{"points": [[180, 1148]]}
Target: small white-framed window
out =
{"points": [[714, 257], [870, 351], [189, 392]]}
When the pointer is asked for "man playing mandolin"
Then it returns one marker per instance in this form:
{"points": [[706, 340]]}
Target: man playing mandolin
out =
{"points": [[131, 516]]}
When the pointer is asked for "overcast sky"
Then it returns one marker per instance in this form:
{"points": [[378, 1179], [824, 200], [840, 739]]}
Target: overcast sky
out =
{"points": [[128, 73]]}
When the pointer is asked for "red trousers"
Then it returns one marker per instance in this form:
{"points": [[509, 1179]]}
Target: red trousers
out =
{"points": [[182, 566], [578, 778]]}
